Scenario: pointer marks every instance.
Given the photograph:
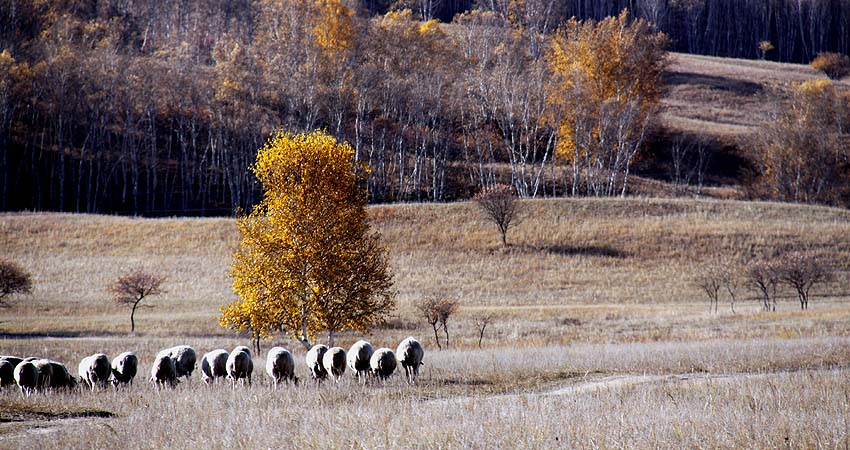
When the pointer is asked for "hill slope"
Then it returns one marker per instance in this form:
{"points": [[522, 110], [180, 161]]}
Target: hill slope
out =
{"points": [[620, 267]]}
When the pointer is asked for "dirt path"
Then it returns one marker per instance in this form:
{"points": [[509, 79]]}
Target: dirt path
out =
{"points": [[626, 380]]}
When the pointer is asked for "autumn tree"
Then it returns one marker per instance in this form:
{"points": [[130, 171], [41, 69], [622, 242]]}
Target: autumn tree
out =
{"points": [[802, 152], [801, 271], [500, 206], [609, 87], [14, 280], [133, 287], [834, 65], [308, 261], [765, 47]]}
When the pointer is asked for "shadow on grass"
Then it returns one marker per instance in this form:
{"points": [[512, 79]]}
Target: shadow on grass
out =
{"points": [[590, 250], [740, 87], [20, 411]]}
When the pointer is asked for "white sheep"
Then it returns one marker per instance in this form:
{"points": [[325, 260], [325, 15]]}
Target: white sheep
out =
{"points": [[184, 358], [382, 363], [409, 354], [45, 371], [124, 368], [26, 375], [358, 358], [334, 362], [280, 365], [214, 365], [314, 362], [94, 370], [163, 371], [239, 366]]}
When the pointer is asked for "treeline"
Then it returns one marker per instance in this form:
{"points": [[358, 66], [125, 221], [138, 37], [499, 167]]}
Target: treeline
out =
{"points": [[149, 108]]}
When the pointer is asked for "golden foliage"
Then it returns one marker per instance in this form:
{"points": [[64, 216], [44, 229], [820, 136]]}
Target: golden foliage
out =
{"points": [[834, 65], [307, 260], [617, 59], [334, 29]]}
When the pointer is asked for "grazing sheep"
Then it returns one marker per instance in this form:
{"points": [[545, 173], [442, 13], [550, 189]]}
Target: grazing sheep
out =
{"points": [[14, 360], [26, 375], [184, 358], [124, 368], [163, 371], [314, 362], [61, 377], [334, 362], [7, 373], [358, 358], [94, 370], [383, 363], [45, 371], [239, 366], [214, 365], [280, 365], [410, 354]]}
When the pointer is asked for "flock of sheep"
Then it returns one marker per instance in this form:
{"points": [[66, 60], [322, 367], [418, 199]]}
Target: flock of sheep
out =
{"points": [[32, 374]]}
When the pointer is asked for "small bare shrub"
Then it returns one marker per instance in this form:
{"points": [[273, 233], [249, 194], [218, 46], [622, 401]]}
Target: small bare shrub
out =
{"points": [[801, 270], [133, 287], [501, 207], [834, 65], [718, 275], [13, 280], [481, 323], [437, 310], [763, 276]]}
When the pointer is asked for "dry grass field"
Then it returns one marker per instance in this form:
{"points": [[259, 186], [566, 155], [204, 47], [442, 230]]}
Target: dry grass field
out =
{"points": [[599, 338], [726, 98]]}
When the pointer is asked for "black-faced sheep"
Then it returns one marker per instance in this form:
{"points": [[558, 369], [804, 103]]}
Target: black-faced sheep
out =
{"points": [[124, 368], [334, 362], [358, 358], [280, 365], [409, 354], [314, 362], [239, 366], [382, 363], [214, 365]]}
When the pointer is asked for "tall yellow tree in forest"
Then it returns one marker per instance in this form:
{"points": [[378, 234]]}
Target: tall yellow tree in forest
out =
{"points": [[609, 83], [308, 262]]}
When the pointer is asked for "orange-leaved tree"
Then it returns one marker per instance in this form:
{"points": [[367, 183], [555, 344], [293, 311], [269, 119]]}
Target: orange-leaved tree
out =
{"points": [[609, 84], [308, 261]]}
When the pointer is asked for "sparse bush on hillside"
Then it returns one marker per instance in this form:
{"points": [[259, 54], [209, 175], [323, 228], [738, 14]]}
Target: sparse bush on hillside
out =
{"points": [[765, 47], [801, 271], [834, 65], [13, 280], [133, 287], [481, 323], [501, 207]]}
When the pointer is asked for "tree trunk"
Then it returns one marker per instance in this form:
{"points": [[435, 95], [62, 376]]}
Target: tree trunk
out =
{"points": [[133, 317], [330, 338], [436, 336], [446, 330]]}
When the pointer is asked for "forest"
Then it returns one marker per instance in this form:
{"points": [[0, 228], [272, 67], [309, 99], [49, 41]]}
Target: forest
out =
{"points": [[135, 107]]}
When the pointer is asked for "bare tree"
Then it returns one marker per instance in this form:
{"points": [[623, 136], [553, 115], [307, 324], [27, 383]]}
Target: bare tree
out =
{"points": [[801, 270], [501, 207], [13, 280], [437, 310], [481, 323], [710, 280], [763, 277], [447, 308], [133, 287]]}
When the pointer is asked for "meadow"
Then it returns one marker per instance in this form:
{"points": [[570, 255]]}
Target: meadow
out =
{"points": [[599, 338]]}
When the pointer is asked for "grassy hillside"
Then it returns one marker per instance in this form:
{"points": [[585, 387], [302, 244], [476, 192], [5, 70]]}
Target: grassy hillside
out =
{"points": [[726, 98], [594, 270]]}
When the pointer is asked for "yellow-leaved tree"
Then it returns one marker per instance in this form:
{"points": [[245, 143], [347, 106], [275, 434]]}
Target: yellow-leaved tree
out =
{"points": [[609, 84], [308, 261]]}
